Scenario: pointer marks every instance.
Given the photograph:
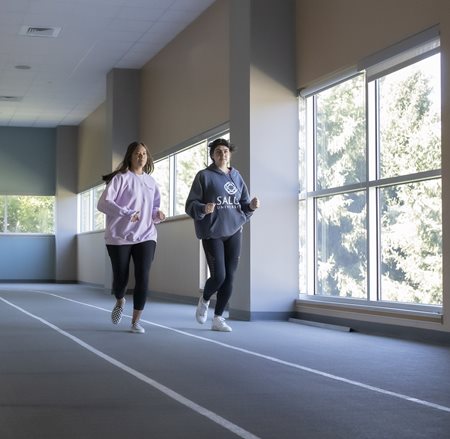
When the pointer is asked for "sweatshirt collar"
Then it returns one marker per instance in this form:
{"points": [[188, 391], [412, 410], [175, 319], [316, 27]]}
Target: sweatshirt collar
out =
{"points": [[214, 168]]}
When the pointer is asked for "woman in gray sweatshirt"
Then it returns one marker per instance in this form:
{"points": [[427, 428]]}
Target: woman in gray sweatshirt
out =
{"points": [[220, 205]]}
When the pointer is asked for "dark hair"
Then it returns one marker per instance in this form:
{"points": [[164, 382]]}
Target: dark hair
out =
{"points": [[220, 142], [125, 164]]}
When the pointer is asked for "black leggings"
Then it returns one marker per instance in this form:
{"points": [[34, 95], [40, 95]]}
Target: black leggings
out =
{"points": [[142, 255], [222, 255]]}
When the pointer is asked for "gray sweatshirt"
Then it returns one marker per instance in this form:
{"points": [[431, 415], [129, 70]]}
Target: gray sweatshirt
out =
{"points": [[230, 195]]}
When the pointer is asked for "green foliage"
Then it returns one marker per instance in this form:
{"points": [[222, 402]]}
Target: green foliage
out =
{"points": [[409, 213], [28, 214], [161, 175], [188, 163], [410, 128], [341, 134]]}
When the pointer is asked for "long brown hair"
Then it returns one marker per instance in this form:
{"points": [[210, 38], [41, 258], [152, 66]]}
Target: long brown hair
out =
{"points": [[125, 164]]}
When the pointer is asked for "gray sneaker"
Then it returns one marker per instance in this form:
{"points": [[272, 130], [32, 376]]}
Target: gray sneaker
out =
{"points": [[137, 328], [201, 313], [218, 324]]}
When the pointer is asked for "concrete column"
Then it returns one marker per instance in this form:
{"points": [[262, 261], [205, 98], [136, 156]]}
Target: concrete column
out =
{"points": [[66, 204], [122, 125], [264, 127], [122, 111]]}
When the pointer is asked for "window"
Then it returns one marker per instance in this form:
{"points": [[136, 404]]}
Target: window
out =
{"points": [[175, 173], [187, 164], [27, 214], [370, 183], [89, 218], [3, 219], [162, 176]]}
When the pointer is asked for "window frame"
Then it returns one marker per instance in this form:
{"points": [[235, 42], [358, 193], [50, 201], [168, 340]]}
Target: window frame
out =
{"points": [[308, 194], [91, 216], [222, 132]]}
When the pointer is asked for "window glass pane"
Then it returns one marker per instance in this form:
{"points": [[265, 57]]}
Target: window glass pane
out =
{"points": [[162, 176], [26, 214], [410, 122], [302, 247], [188, 163], [342, 245], [411, 243], [2, 213], [99, 217], [341, 134], [85, 212], [302, 150]]}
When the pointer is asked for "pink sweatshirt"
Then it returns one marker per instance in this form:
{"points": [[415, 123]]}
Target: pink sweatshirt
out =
{"points": [[123, 196]]}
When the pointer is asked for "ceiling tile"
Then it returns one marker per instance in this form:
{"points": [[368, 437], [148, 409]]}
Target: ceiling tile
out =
{"points": [[67, 78]]}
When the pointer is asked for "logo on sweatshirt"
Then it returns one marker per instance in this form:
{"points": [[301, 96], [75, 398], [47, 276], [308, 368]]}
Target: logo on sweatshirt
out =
{"points": [[230, 188], [228, 201]]}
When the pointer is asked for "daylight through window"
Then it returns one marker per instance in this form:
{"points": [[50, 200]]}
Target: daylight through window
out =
{"points": [[370, 186], [27, 214]]}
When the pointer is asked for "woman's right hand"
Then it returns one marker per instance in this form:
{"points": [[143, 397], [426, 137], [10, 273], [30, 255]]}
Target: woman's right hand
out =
{"points": [[135, 217], [209, 208]]}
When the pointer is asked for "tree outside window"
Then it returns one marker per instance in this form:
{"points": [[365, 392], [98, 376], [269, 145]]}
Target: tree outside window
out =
{"points": [[27, 214], [374, 200]]}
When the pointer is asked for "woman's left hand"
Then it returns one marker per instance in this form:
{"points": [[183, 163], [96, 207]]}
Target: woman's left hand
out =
{"points": [[160, 215], [254, 203]]}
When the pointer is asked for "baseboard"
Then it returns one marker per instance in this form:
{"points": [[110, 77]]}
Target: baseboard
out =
{"points": [[382, 329]]}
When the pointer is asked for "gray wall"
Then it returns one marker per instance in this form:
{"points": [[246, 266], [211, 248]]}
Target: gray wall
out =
{"points": [[66, 204], [27, 161], [264, 125], [27, 258], [27, 167]]}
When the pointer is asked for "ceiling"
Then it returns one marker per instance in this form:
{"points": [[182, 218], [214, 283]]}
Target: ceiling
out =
{"points": [[55, 54]]}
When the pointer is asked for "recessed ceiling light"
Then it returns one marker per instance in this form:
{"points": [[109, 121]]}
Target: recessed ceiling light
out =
{"points": [[22, 67]]}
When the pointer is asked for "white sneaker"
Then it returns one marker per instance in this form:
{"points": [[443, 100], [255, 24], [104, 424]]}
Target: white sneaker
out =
{"points": [[201, 313], [219, 324], [137, 328]]}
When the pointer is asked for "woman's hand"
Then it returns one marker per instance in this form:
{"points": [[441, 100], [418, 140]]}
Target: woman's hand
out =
{"points": [[136, 216], [254, 203], [160, 215], [209, 208]]}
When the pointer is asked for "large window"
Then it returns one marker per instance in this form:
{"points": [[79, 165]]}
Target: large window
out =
{"points": [[175, 173], [89, 218], [27, 214], [370, 183]]}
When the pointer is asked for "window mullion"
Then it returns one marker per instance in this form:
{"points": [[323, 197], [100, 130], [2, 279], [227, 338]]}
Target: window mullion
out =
{"points": [[172, 184], [372, 204], [5, 215], [311, 278]]}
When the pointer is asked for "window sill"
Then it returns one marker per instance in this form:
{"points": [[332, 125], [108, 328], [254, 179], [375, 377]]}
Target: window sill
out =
{"points": [[307, 304]]}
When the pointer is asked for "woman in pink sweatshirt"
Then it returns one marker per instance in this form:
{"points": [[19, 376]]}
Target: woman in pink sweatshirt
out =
{"points": [[131, 203]]}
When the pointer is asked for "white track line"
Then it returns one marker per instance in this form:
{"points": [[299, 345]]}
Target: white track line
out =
{"points": [[163, 389], [278, 361]]}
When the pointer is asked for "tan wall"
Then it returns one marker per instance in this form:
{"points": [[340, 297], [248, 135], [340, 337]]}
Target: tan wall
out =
{"points": [[335, 34], [176, 267], [94, 158], [92, 258], [185, 88]]}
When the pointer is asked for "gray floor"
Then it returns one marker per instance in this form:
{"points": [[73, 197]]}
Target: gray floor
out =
{"points": [[67, 372]]}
